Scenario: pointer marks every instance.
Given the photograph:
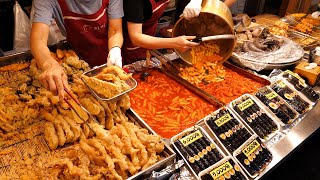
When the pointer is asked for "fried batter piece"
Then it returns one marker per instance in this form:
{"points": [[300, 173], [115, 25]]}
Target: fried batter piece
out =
{"points": [[104, 88], [51, 136], [117, 71]]}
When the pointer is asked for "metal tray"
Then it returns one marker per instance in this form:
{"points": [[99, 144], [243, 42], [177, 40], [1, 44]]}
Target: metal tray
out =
{"points": [[191, 129], [281, 101], [228, 158], [271, 115], [239, 150], [26, 56], [215, 135], [131, 82], [37, 145]]}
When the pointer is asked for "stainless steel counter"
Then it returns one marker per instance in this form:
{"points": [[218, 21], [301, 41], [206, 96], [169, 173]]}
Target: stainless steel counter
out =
{"points": [[295, 137]]}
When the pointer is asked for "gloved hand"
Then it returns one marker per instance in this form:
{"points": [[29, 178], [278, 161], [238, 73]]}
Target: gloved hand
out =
{"points": [[192, 9], [114, 57]]}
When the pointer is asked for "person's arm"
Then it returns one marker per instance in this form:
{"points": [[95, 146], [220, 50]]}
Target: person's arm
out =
{"points": [[52, 77], [229, 3], [115, 33], [145, 41]]}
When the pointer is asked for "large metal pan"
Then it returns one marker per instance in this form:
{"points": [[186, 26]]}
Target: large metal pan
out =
{"points": [[215, 19]]}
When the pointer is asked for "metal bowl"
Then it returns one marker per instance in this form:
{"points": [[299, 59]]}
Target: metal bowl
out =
{"points": [[215, 19]]}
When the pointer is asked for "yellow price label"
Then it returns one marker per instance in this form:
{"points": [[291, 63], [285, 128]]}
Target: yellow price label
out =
{"points": [[282, 84], [244, 105], [295, 75], [221, 170], [248, 150], [271, 95], [224, 119], [191, 138]]}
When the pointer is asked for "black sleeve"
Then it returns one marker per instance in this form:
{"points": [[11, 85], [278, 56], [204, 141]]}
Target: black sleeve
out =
{"points": [[133, 10]]}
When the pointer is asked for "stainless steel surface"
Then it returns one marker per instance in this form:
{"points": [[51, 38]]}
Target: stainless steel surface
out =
{"points": [[298, 134], [215, 19], [131, 82]]}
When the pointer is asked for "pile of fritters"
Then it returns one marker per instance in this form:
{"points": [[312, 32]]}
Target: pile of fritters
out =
{"points": [[27, 110]]}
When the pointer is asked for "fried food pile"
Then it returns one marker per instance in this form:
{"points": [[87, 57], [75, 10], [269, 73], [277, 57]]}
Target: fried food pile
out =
{"points": [[280, 28], [110, 82], [48, 139], [206, 67]]}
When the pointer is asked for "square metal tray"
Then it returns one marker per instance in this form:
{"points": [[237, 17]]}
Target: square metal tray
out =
{"points": [[131, 82]]}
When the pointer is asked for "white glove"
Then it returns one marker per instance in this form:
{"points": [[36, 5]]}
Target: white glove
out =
{"points": [[114, 57], [192, 9]]}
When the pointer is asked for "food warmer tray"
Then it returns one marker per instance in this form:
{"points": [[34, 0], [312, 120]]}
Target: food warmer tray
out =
{"points": [[26, 56], [38, 144]]}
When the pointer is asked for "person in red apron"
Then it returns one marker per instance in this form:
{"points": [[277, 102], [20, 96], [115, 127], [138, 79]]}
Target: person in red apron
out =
{"points": [[94, 36], [141, 21]]}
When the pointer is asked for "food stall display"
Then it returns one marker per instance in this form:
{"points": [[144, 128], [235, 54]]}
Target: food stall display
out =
{"points": [[227, 129], [223, 121], [165, 105], [261, 122]]}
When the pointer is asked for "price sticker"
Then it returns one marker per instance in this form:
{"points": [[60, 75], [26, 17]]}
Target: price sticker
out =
{"points": [[191, 138], [244, 105], [221, 170], [248, 150], [296, 76], [224, 119], [271, 95], [282, 84]]}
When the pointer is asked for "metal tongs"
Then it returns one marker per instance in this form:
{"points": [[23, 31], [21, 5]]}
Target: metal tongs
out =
{"points": [[84, 109]]}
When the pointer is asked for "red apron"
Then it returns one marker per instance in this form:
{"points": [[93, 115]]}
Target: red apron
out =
{"points": [[130, 53], [88, 34]]}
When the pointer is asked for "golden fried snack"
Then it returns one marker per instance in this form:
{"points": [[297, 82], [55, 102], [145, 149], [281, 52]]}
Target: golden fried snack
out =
{"points": [[124, 102], [60, 53], [51, 136], [109, 122], [89, 105], [75, 128], [15, 67], [117, 71], [66, 128], [104, 88], [60, 133]]}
